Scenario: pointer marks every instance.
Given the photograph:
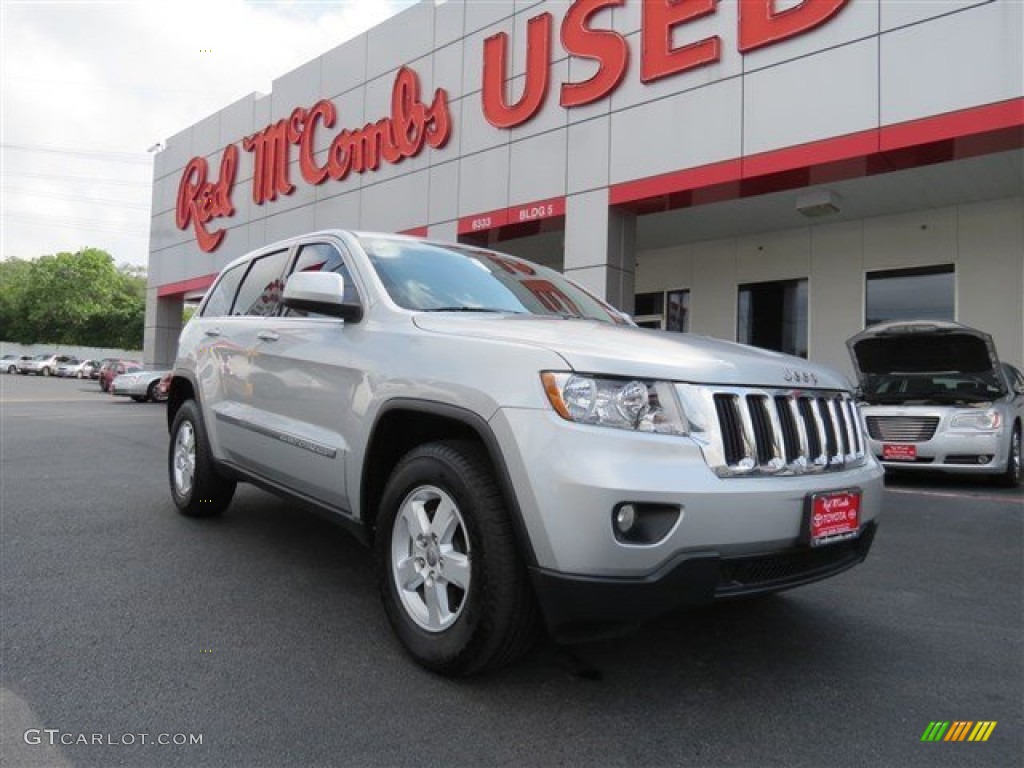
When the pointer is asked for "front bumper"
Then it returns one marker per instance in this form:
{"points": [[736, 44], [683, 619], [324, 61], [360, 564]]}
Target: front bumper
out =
{"points": [[953, 452], [582, 608], [569, 479]]}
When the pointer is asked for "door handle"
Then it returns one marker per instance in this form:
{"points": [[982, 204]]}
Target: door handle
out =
{"points": [[267, 336], [213, 332]]}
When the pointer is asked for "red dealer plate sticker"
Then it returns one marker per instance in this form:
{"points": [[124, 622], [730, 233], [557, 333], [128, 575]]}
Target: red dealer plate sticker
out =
{"points": [[832, 517], [898, 452]]}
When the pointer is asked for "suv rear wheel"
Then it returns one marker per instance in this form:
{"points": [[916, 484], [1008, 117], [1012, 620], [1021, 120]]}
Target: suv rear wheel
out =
{"points": [[453, 584], [197, 489]]}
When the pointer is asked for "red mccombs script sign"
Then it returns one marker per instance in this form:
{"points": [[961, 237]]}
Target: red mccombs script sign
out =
{"points": [[664, 51], [411, 126]]}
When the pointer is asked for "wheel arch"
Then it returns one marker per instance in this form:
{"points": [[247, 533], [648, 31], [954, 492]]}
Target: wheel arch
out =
{"points": [[403, 424], [182, 388]]}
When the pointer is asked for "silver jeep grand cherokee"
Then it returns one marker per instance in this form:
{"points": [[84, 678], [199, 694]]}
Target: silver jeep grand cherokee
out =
{"points": [[513, 448]]}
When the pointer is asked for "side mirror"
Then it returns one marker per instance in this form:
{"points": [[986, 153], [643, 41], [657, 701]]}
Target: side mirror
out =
{"points": [[320, 292]]}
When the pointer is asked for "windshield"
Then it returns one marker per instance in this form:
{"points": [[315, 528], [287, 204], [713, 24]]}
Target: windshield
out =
{"points": [[427, 277], [938, 388]]}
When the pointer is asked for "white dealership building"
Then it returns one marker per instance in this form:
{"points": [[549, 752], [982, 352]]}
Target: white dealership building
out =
{"points": [[770, 171]]}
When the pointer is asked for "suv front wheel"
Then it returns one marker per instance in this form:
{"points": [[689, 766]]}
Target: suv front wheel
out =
{"points": [[452, 581], [196, 487]]}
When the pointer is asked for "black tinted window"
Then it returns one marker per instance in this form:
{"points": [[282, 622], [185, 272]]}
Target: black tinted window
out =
{"points": [[261, 290], [223, 292], [910, 294]]}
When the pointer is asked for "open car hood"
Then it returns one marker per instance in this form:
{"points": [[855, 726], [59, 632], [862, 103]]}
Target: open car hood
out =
{"points": [[922, 346]]}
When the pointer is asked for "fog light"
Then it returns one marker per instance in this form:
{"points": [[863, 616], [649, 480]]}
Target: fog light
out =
{"points": [[983, 459], [639, 522], [625, 518]]}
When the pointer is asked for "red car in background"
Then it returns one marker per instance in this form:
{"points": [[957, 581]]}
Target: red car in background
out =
{"points": [[113, 368]]}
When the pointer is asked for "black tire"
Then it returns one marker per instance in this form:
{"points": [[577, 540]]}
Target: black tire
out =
{"points": [[208, 494], [12, 369], [138, 398], [496, 619], [153, 392], [1011, 478]]}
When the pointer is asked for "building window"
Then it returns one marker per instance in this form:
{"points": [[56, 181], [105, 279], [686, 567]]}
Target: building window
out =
{"points": [[664, 310], [922, 293], [773, 315]]}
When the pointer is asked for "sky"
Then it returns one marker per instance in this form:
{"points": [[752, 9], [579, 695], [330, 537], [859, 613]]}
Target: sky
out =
{"points": [[88, 87]]}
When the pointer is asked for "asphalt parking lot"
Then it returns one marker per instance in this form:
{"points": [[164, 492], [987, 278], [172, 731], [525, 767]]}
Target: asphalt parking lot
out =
{"points": [[262, 634]]}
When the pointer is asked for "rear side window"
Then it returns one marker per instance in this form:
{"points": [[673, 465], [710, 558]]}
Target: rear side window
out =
{"points": [[223, 292], [260, 291]]}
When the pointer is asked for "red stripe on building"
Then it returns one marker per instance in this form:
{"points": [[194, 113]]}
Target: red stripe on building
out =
{"points": [[186, 286]]}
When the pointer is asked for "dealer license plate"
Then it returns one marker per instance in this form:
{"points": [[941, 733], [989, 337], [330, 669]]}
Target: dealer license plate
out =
{"points": [[832, 517], [898, 452]]}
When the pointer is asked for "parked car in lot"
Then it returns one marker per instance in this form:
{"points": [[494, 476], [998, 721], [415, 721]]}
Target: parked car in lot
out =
{"points": [[10, 363], [935, 397], [42, 365], [139, 384], [113, 368], [75, 368], [511, 445]]}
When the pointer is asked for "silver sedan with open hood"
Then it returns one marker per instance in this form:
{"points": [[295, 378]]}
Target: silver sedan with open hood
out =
{"points": [[934, 396]]}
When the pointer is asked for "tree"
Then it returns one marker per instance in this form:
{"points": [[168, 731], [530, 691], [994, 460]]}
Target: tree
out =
{"points": [[73, 298]]}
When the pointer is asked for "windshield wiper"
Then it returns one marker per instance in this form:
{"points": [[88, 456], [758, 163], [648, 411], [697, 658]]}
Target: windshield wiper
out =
{"points": [[472, 309]]}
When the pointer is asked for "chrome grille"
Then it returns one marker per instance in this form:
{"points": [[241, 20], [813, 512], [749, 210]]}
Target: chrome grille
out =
{"points": [[902, 429], [752, 431]]}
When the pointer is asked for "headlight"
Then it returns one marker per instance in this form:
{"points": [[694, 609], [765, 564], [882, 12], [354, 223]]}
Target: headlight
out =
{"points": [[643, 406], [987, 420]]}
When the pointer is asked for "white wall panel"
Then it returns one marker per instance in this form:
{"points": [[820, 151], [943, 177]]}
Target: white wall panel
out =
{"points": [[449, 22], [835, 292], [288, 224], [483, 181], [910, 239], [298, 88], [236, 122], [663, 269], [713, 296], [206, 136], [829, 94], [447, 69], [399, 40], [443, 204], [344, 67], [588, 147], [397, 204], [475, 134], [691, 129], [537, 168], [483, 14], [338, 212], [901, 13], [774, 256], [990, 272], [953, 62]]}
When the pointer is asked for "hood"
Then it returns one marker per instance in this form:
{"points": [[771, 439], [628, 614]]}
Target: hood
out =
{"points": [[590, 346], [922, 346]]}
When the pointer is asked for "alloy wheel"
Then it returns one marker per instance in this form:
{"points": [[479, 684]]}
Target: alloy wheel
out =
{"points": [[430, 558]]}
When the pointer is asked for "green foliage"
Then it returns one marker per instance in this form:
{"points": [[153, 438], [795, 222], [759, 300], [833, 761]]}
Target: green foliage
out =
{"points": [[72, 298]]}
